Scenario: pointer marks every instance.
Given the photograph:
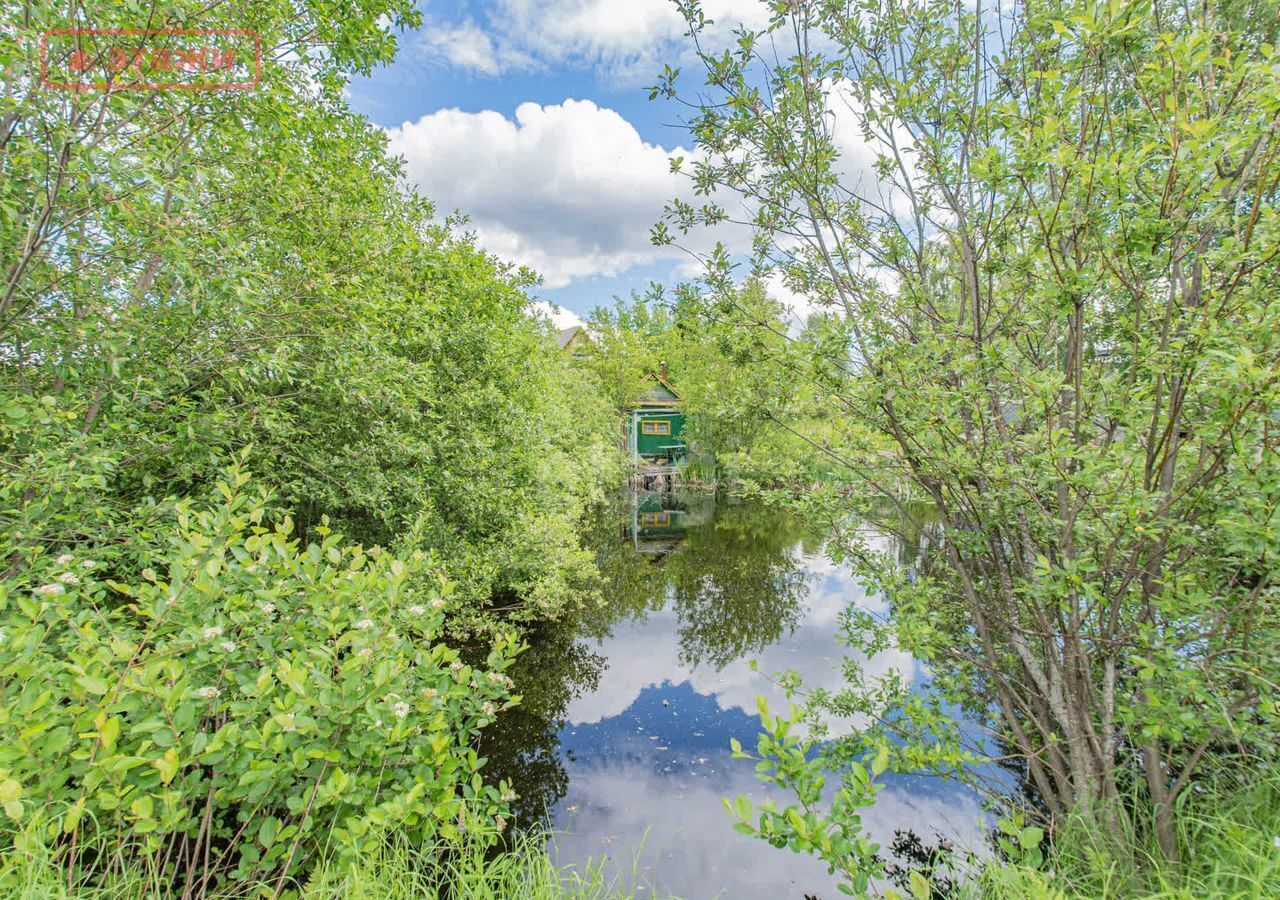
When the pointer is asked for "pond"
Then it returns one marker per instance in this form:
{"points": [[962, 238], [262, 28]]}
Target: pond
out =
{"points": [[622, 741]]}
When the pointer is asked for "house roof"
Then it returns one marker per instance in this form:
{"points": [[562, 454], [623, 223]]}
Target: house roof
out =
{"points": [[565, 335], [659, 393]]}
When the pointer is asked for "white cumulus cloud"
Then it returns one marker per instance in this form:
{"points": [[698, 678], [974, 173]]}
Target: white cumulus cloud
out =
{"points": [[570, 189], [559, 317]]}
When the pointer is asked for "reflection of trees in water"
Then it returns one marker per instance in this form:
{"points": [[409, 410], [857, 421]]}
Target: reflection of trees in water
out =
{"points": [[632, 585], [523, 745], [914, 526], [736, 585]]}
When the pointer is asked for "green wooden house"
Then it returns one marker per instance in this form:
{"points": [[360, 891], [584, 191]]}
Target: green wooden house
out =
{"points": [[655, 424]]}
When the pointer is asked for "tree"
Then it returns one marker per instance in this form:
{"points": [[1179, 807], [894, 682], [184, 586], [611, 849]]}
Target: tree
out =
{"points": [[194, 272], [732, 404], [1059, 294]]}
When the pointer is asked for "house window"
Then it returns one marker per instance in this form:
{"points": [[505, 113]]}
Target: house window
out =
{"points": [[652, 519], [655, 426]]}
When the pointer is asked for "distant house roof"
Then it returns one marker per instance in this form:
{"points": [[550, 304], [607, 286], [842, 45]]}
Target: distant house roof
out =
{"points": [[566, 335]]}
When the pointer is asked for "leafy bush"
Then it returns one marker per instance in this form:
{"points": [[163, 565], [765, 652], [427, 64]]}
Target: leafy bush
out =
{"points": [[386, 369], [246, 698]]}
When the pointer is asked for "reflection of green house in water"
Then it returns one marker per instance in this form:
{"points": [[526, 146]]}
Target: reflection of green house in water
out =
{"points": [[655, 424], [659, 521]]}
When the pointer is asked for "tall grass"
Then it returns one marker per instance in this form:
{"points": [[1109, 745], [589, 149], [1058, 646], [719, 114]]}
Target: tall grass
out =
{"points": [[394, 871], [524, 872], [1229, 841], [1230, 845]]}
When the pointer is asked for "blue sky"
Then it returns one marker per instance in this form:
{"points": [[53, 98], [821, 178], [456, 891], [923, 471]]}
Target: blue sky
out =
{"points": [[531, 116]]}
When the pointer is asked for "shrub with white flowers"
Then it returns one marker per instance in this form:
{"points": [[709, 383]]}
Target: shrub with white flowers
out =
{"points": [[129, 720]]}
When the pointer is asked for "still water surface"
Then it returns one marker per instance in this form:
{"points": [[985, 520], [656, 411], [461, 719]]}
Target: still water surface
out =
{"points": [[622, 740]]}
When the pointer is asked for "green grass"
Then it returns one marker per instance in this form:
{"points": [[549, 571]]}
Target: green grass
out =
{"points": [[396, 871], [1228, 840], [525, 872]]}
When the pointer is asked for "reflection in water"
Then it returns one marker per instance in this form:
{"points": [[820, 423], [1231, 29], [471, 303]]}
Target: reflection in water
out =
{"points": [[622, 739]]}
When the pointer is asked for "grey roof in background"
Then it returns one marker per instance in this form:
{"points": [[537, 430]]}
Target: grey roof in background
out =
{"points": [[565, 335]]}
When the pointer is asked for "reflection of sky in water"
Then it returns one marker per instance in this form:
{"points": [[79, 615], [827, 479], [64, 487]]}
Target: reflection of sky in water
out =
{"points": [[647, 772]]}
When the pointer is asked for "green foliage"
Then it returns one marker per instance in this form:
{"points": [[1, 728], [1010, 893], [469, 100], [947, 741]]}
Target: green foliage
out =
{"points": [[1228, 835], [467, 870], [1054, 320], [828, 826], [740, 415], [200, 677], [244, 689], [271, 283]]}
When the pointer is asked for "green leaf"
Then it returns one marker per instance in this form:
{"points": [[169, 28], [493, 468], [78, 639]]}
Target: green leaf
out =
{"points": [[92, 684], [142, 807], [72, 818], [167, 765], [268, 830], [881, 762], [920, 888], [109, 732]]}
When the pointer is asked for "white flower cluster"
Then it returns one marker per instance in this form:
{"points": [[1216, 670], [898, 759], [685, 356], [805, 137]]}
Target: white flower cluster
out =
{"points": [[499, 678]]}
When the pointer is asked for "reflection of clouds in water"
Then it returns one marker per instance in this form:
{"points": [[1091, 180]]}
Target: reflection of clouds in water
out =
{"points": [[646, 653], [691, 848], [647, 751]]}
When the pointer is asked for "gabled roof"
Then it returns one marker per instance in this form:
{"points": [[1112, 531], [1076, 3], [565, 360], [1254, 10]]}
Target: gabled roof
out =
{"points": [[565, 335], [660, 393]]}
